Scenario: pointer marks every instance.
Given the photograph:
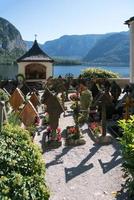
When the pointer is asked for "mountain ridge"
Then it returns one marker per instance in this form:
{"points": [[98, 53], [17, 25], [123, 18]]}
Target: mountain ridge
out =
{"points": [[85, 48], [94, 49], [113, 49]]}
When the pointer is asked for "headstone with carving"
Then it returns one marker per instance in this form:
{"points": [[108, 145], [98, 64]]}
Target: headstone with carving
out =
{"points": [[28, 114], [34, 100], [16, 99], [103, 101], [54, 108]]}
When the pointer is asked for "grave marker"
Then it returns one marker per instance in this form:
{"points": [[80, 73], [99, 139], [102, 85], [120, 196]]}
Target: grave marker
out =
{"points": [[28, 114], [54, 108], [16, 99], [34, 100]]}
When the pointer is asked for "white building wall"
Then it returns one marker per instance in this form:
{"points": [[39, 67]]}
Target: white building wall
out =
{"points": [[47, 65], [132, 52], [49, 68]]}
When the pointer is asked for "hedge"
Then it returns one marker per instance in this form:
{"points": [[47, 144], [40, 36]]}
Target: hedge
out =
{"points": [[98, 73], [127, 149], [22, 169]]}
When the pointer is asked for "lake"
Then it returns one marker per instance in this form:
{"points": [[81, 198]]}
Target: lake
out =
{"points": [[10, 71], [77, 69]]}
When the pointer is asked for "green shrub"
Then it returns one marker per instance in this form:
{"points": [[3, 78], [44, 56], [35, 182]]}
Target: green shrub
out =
{"points": [[22, 170], [127, 146], [98, 73], [3, 96], [13, 118]]}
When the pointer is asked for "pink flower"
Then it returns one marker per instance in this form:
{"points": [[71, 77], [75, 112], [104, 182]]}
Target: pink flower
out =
{"points": [[59, 137], [73, 97], [58, 130], [95, 127], [49, 129]]}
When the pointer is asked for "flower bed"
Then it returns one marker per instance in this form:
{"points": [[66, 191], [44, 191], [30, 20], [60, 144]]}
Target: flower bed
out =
{"points": [[96, 128], [96, 131], [73, 136], [53, 138]]}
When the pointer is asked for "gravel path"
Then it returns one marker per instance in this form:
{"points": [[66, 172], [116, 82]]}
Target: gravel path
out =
{"points": [[87, 172]]}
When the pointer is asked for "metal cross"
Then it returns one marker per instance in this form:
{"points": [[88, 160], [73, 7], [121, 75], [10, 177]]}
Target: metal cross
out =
{"points": [[35, 36]]}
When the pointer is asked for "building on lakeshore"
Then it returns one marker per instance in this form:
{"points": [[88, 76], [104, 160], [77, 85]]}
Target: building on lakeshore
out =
{"points": [[35, 64], [130, 23]]}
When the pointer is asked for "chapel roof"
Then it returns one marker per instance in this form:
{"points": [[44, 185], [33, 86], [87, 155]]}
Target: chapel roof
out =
{"points": [[35, 54]]}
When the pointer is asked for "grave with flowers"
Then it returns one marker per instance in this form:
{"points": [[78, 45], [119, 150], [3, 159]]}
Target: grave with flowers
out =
{"points": [[99, 130], [74, 136], [96, 129], [52, 138], [73, 133], [51, 118]]}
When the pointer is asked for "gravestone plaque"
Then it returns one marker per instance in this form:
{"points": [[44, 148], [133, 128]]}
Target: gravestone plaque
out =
{"points": [[16, 99], [28, 114], [34, 100]]}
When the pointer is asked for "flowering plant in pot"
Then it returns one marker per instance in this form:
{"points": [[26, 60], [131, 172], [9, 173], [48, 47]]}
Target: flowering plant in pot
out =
{"points": [[72, 132], [96, 128], [73, 136], [53, 137]]}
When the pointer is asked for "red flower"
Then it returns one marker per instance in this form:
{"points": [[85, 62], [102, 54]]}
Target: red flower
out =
{"points": [[95, 127], [58, 131], [72, 130]]}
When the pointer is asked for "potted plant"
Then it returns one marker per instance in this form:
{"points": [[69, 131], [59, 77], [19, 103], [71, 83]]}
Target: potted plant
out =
{"points": [[53, 138], [73, 136]]}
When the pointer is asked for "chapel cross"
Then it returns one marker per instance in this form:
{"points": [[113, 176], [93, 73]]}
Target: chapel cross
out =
{"points": [[35, 36]]}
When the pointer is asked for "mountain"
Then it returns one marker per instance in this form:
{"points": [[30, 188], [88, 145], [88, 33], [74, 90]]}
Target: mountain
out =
{"points": [[29, 44], [111, 50], [11, 43], [94, 49], [71, 46], [101, 49]]}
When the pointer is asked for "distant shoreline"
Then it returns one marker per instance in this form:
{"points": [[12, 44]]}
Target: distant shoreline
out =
{"points": [[91, 65]]}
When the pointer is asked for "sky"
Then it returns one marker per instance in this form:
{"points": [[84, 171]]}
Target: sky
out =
{"points": [[51, 19]]}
